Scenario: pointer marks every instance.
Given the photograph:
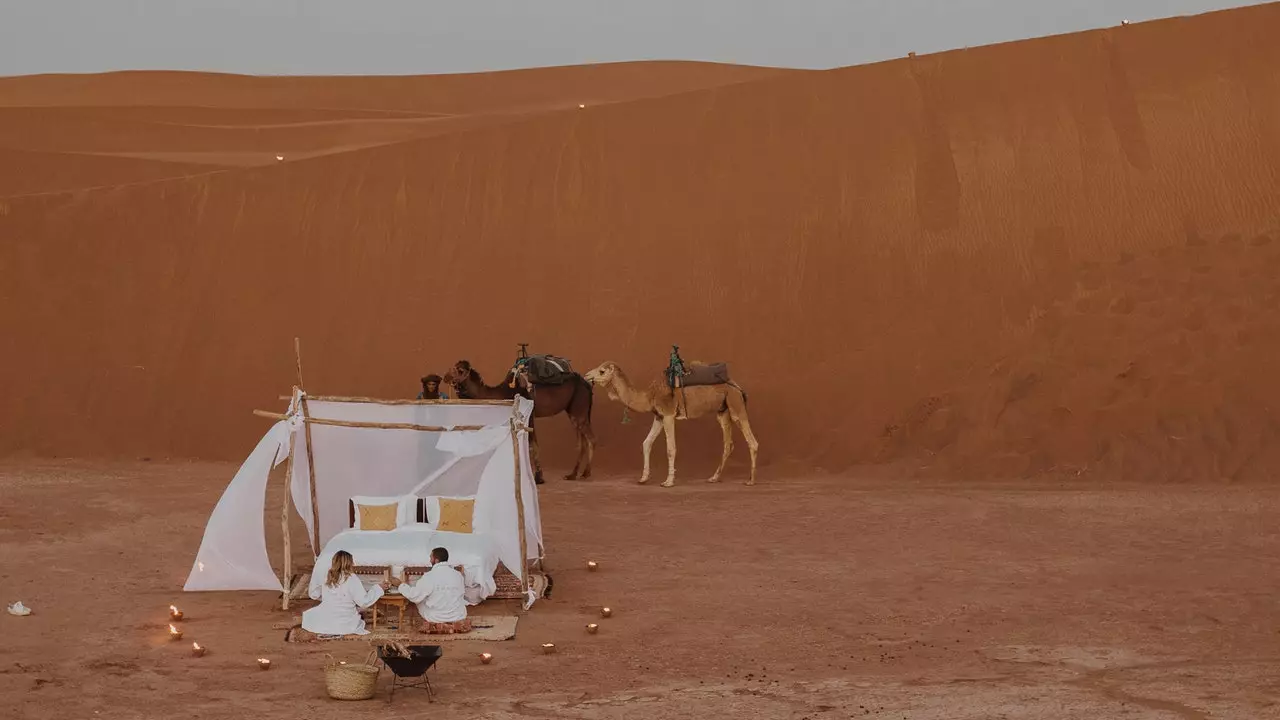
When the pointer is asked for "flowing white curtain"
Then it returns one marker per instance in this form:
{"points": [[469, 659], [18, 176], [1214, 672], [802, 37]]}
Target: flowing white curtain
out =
{"points": [[353, 461], [233, 552]]}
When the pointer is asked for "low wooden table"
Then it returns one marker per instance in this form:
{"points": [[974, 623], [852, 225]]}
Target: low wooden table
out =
{"points": [[389, 601]]}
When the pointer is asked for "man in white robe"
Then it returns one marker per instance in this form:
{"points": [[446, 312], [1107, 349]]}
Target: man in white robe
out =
{"points": [[440, 595]]}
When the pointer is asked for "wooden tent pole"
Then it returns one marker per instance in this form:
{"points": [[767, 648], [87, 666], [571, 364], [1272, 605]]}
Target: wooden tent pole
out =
{"points": [[297, 356], [285, 506], [377, 425], [311, 467], [382, 401], [524, 561], [311, 458]]}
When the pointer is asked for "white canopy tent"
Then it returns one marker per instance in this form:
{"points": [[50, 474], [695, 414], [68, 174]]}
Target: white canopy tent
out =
{"points": [[339, 448]]}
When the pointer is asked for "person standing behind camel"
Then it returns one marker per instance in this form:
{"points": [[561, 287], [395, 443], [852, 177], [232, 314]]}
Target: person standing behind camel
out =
{"points": [[431, 389]]}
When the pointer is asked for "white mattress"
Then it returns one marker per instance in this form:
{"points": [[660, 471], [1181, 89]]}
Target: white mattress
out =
{"points": [[412, 545]]}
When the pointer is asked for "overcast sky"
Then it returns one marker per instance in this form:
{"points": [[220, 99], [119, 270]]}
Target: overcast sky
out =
{"points": [[436, 36]]}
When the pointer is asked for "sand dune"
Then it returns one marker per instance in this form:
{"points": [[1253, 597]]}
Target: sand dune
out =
{"points": [[1049, 256], [29, 172], [448, 94], [143, 115], [34, 129]]}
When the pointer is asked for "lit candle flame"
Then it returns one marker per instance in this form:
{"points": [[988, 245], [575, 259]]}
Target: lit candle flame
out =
{"points": [[173, 630], [173, 608], [195, 646]]}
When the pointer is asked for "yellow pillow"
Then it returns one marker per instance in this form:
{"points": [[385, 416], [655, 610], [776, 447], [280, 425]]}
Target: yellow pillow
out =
{"points": [[455, 515], [377, 517]]}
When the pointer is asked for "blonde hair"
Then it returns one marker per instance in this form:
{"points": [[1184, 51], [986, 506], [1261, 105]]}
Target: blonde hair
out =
{"points": [[340, 568]]}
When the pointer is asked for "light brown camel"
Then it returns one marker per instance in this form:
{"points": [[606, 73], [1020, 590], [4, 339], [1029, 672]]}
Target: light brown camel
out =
{"points": [[727, 401]]}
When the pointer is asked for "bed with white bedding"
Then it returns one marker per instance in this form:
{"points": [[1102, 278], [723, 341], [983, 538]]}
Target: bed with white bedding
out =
{"points": [[410, 545]]}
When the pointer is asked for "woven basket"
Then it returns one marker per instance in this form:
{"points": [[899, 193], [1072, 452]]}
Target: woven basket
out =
{"points": [[352, 681]]}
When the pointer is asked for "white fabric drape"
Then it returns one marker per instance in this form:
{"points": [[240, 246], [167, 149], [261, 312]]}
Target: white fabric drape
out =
{"points": [[388, 462], [233, 552], [353, 461]]}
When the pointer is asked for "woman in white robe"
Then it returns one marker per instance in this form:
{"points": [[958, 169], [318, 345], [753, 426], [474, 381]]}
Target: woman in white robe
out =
{"points": [[341, 598]]}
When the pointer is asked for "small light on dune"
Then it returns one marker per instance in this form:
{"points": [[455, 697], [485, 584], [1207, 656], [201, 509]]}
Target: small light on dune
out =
{"points": [[592, 565], [264, 664], [174, 613], [581, 106], [174, 633], [486, 658], [548, 648], [279, 158], [593, 628], [197, 650], [606, 612]]}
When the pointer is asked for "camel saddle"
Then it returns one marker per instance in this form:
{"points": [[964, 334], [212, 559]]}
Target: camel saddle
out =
{"points": [[547, 369], [712, 374]]}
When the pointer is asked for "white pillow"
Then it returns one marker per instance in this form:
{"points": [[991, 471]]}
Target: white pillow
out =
{"points": [[433, 506], [406, 507]]}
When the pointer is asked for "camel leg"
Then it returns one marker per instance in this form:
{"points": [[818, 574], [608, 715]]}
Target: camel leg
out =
{"points": [[669, 425], [648, 447], [738, 411], [579, 412], [577, 463], [589, 444], [745, 426], [726, 427], [537, 463]]}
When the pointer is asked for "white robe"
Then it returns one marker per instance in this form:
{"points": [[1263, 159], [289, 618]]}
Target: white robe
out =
{"points": [[339, 610], [440, 594]]}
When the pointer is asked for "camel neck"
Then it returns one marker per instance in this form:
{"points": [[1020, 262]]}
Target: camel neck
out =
{"points": [[479, 390], [629, 396]]}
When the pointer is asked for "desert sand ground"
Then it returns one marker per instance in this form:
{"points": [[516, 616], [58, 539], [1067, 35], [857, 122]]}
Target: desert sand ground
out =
{"points": [[804, 597]]}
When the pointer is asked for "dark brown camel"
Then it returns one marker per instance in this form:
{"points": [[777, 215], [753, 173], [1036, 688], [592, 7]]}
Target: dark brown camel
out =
{"points": [[572, 398]]}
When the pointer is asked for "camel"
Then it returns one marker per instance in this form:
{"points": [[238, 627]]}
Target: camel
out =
{"points": [[573, 398], [728, 401]]}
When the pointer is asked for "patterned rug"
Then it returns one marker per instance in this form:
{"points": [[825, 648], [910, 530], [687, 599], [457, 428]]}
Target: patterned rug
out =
{"points": [[539, 582], [491, 628]]}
